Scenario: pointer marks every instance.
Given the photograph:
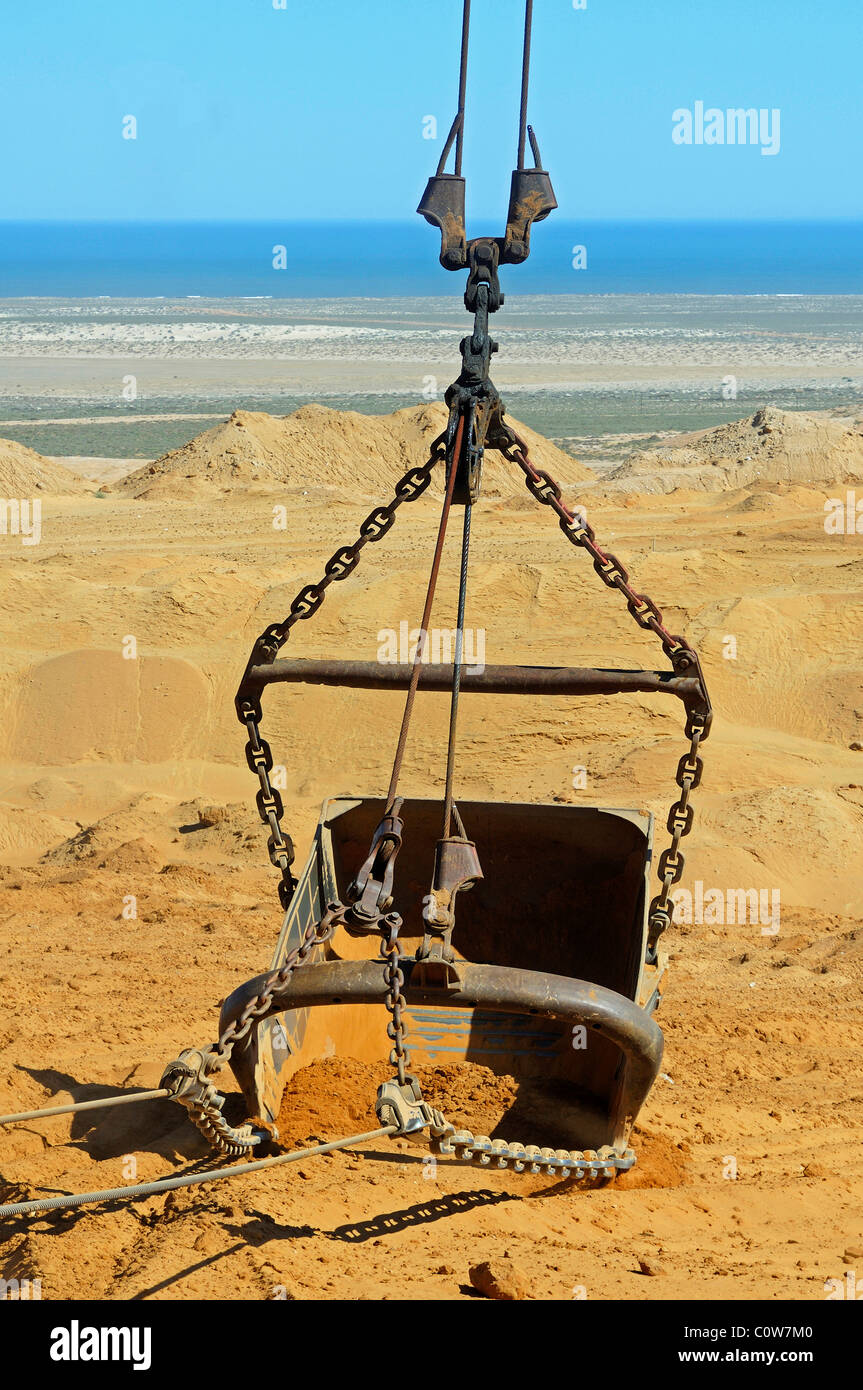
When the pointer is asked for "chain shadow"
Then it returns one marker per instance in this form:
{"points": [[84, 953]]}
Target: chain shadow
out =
{"points": [[261, 1227], [421, 1214]]}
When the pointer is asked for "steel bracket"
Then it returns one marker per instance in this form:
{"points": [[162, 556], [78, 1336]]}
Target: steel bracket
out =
{"points": [[404, 1106]]}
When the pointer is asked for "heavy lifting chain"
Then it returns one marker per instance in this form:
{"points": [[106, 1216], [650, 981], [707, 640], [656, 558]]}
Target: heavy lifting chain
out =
{"points": [[575, 1165], [395, 1001], [681, 655], [280, 846], [315, 935], [401, 1100], [187, 1077]]}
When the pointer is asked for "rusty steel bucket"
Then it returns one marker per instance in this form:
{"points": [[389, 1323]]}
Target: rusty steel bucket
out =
{"points": [[556, 985]]}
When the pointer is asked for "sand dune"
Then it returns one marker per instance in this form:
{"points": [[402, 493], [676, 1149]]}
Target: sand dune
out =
{"points": [[319, 447], [771, 446], [24, 473]]}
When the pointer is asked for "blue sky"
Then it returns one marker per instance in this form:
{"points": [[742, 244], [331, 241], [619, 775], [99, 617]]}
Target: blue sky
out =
{"points": [[245, 111]]}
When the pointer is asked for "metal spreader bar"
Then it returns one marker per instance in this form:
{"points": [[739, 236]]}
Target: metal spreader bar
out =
{"points": [[491, 680]]}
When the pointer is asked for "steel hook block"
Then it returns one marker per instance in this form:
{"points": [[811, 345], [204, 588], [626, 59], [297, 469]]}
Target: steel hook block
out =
{"points": [[531, 199], [442, 204]]}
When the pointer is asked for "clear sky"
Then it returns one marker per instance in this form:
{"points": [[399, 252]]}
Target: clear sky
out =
{"points": [[246, 111]]}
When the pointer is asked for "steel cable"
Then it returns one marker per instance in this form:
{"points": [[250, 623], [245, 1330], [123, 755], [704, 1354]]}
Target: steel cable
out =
{"points": [[525, 80], [85, 1105], [462, 84], [423, 637], [456, 675], [148, 1189]]}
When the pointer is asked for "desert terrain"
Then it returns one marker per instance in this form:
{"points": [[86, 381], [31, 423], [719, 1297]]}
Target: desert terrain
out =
{"points": [[125, 631]]}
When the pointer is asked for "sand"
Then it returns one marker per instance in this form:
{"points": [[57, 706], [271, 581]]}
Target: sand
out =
{"points": [[319, 447], [124, 779], [771, 446], [24, 474]]}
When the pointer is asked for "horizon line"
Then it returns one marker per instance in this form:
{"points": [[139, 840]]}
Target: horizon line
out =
{"points": [[853, 218]]}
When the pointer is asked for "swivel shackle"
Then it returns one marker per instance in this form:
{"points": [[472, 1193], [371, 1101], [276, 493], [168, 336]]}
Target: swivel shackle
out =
{"points": [[531, 196]]}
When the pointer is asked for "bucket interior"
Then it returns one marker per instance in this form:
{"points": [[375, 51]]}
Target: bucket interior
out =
{"points": [[563, 892], [563, 886]]}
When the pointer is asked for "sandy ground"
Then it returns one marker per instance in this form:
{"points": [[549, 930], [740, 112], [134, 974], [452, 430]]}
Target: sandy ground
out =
{"points": [[108, 762], [78, 377]]}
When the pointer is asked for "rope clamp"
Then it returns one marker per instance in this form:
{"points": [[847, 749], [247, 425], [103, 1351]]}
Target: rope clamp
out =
{"points": [[404, 1107], [186, 1077]]}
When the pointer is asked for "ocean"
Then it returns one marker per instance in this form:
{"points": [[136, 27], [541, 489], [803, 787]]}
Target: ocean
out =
{"points": [[344, 259]]}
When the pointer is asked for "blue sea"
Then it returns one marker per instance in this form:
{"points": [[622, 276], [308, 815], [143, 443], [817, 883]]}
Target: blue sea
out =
{"points": [[344, 259]]}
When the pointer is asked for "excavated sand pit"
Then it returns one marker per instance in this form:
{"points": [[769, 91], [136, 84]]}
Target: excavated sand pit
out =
{"points": [[330, 1094], [749, 1181]]}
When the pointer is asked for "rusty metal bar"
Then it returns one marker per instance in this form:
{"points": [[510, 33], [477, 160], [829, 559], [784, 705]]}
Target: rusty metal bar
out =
{"points": [[495, 987], [492, 680]]}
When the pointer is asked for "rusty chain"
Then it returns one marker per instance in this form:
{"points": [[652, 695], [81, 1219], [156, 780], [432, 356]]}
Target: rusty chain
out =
{"points": [[315, 935], [259, 757], [682, 656], [205, 1105], [395, 1001], [187, 1076]]}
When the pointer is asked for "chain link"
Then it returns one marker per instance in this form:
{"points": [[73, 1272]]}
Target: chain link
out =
{"points": [[315, 935], [529, 1158], [204, 1103], [206, 1116], [280, 846], [395, 1001], [480, 1150], [682, 656]]}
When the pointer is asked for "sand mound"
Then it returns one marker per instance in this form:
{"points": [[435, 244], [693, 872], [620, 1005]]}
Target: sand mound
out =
{"points": [[23, 473], [319, 447], [23, 831], [132, 857], [772, 446], [119, 841], [336, 1094], [227, 831]]}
